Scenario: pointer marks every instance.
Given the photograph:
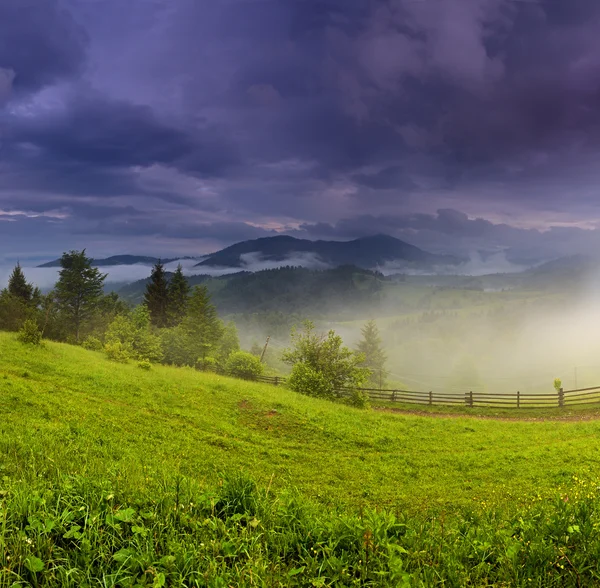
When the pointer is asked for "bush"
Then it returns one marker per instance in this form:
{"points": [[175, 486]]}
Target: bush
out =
{"points": [[306, 380], [242, 364], [358, 399], [144, 364], [30, 333], [207, 364], [134, 333], [92, 343], [116, 351]]}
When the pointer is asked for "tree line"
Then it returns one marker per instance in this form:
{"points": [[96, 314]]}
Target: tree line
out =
{"points": [[178, 325]]}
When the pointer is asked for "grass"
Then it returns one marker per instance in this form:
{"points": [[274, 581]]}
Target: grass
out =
{"points": [[112, 475]]}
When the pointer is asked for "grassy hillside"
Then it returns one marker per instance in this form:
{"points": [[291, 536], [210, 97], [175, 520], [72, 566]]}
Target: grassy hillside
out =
{"points": [[120, 450]]}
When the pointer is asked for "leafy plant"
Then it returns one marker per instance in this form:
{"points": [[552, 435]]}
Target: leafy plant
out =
{"points": [[30, 333], [242, 364], [144, 364], [338, 367], [117, 351], [557, 384], [92, 343]]}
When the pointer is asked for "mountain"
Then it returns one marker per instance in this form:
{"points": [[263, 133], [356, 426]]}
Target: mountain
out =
{"points": [[366, 252], [119, 260]]}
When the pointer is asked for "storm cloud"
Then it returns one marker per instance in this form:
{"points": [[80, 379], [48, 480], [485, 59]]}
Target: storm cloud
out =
{"points": [[178, 127]]}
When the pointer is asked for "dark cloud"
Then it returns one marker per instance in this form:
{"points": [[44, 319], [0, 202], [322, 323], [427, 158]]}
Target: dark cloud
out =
{"points": [[40, 42], [94, 130], [170, 120]]}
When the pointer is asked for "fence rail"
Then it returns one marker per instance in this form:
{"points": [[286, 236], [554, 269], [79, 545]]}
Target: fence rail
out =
{"points": [[560, 399]]}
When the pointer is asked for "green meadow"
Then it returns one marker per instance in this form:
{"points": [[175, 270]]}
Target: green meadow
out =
{"points": [[111, 475]]}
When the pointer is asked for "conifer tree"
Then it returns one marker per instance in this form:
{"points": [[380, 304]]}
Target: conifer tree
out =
{"points": [[371, 347], [156, 297], [19, 287], [78, 290], [228, 343], [179, 292], [202, 325]]}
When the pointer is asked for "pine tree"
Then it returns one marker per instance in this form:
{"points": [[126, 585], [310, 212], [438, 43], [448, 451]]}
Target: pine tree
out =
{"points": [[179, 292], [156, 297], [202, 325], [19, 287], [371, 347], [228, 344], [78, 290]]}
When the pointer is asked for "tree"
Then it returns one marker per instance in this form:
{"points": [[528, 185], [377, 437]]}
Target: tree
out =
{"points": [[156, 297], [194, 341], [228, 344], [370, 346], [324, 359], [178, 294], [19, 287], [78, 290], [131, 334]]}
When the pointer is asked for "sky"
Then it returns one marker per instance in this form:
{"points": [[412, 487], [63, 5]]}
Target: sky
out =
{"points": [[165, 127]]}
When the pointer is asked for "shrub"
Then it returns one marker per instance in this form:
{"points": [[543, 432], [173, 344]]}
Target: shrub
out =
{"points": [[144, 364], [134, 333], [358, 399], [336, 365], [30, 333], [116, 351], [92, 343], [207, 364], [310, 382], [242, 364]]}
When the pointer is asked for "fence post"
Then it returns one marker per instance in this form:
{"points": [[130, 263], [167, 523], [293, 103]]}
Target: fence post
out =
{"points": [[430, 397], [471, 398], [561, 398], [518, 399], [276, 380], [393, 395]]}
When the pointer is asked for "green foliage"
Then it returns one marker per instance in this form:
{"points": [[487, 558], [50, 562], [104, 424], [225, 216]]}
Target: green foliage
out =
{"points": [[116, 351], [326, 355], [19, 287], [228, 344], [309, 381], [357, 398], [557, 384], [14, 311], [178, 294], [92, 343], [133, 332], [78, 290], [30, 333], [371, 348], [242, 364], [144, 364], [197, 336], [156, 297]]}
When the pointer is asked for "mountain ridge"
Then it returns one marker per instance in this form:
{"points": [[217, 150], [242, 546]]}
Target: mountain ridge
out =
{"points": [[365, 252]]}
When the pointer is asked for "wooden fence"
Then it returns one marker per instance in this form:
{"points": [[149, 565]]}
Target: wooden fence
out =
{"points": [[560, 399]]}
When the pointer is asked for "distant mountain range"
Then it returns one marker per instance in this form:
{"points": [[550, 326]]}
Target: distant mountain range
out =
{"points": [[366, 252], [119, 260]]}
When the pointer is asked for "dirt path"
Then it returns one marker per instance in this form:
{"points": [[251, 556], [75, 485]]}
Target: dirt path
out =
{"points": [[573, 417]]}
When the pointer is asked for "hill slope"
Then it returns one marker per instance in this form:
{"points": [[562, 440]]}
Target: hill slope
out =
{"points": [[114, 476], [74, 406], [366, 252]]}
